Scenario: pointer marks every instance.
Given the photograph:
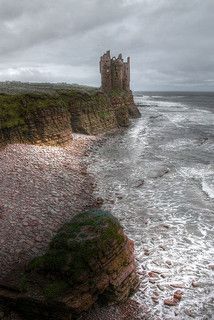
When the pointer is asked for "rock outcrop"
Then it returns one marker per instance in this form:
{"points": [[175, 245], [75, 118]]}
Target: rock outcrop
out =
{"points": [[49, 119], [100, 112], [33, 118], [92, 113], [89, 260], [49, 126]]}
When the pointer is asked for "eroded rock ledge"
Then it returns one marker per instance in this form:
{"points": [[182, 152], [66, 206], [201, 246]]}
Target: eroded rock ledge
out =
{"points": [[89, 260], [49, 118]]}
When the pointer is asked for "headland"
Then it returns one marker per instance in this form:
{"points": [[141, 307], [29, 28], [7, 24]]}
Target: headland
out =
{"points": [[46, 133]]}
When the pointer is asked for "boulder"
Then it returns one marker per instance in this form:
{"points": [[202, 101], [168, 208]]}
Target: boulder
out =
{"points": [[89, 260]]}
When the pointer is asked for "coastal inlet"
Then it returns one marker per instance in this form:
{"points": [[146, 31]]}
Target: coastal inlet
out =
{"points": [[157, 178]]}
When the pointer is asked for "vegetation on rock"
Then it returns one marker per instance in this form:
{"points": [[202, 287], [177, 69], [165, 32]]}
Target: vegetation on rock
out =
{"points": [[91, 111], [90, 259], [77, 246]]}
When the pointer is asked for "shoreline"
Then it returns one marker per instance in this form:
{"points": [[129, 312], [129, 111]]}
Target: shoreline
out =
{"points": [[35, 198], [83, 147], [131, 309]]}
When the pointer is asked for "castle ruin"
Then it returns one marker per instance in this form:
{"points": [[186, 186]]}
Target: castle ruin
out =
{"points": [[115, 73]]}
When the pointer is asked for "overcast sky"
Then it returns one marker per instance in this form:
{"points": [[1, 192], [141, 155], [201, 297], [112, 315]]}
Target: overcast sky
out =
{"points": [[170, 42]]}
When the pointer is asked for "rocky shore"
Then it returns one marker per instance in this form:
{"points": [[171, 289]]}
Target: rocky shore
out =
{"points": [[41, 188], [34, 205], [89, 260], [44, 183]]}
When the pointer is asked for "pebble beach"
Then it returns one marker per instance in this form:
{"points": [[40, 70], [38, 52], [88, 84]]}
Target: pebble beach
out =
{"points": [[41, 188]]}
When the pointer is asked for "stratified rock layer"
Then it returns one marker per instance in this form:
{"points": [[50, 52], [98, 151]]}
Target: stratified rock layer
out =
{"points": [[89, 260], [34, 118], [101, 112], [92, 114], [50, 126], [49, 119]]}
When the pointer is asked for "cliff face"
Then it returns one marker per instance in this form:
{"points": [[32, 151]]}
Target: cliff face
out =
{"points": [[132, 108], [49, 119], [92, 114], [98, 113], [35, 119], [50, 126]]}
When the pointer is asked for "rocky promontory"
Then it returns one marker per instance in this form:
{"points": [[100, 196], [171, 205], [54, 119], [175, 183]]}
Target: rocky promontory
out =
{"points": [[47, 115], [77, 260]]}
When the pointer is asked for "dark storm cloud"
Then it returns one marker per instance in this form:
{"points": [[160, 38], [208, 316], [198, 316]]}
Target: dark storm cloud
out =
{"points": [[170, 42]]}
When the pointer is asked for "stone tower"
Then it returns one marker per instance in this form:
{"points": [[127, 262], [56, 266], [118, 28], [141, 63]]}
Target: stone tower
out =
{"points": [[115, 73]]}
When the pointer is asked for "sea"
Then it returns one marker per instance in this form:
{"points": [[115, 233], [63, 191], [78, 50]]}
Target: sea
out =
{"points": [[157, 178]]}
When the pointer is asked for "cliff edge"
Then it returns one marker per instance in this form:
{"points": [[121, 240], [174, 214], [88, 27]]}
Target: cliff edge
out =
{"points": [[48, 117]]}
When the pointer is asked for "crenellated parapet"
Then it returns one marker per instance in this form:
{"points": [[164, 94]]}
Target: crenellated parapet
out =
{"points": [[115, 73]]}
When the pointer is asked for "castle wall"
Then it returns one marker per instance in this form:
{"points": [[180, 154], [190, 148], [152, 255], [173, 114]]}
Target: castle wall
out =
{"points": [[105, 70], [115, 73], [126, 75]]}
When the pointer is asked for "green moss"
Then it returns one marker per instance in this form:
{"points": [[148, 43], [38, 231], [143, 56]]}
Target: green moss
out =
{"points": [[27, 98], [117, 93], [15, 107], [23, 284], [54, 289], [10, 111], [36, 263], [94, 218], [80, 101], [78, 244], [103, 114], [53, 260]]}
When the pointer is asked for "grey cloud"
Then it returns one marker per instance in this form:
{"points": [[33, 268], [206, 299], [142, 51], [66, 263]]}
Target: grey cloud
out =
{"points": [[170, 42]]}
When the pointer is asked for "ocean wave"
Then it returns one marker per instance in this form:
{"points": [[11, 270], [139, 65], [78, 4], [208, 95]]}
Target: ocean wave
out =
{"points": [[158, 97], [204, 177], [181, 143], [208, 188], [163, 104]]}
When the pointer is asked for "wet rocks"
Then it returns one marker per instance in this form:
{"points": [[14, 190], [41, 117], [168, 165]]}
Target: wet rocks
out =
{"points": [[211, 266], [170, 302], [98, 202], [161, 173], [152, 274], [90, 259], [195, 284], [178, 285], [177, 296], [140, 183]]}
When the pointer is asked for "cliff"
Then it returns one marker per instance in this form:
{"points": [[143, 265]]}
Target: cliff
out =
{"points": [[49, 117], [45, 187], [34, 118], [101, 112]]}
